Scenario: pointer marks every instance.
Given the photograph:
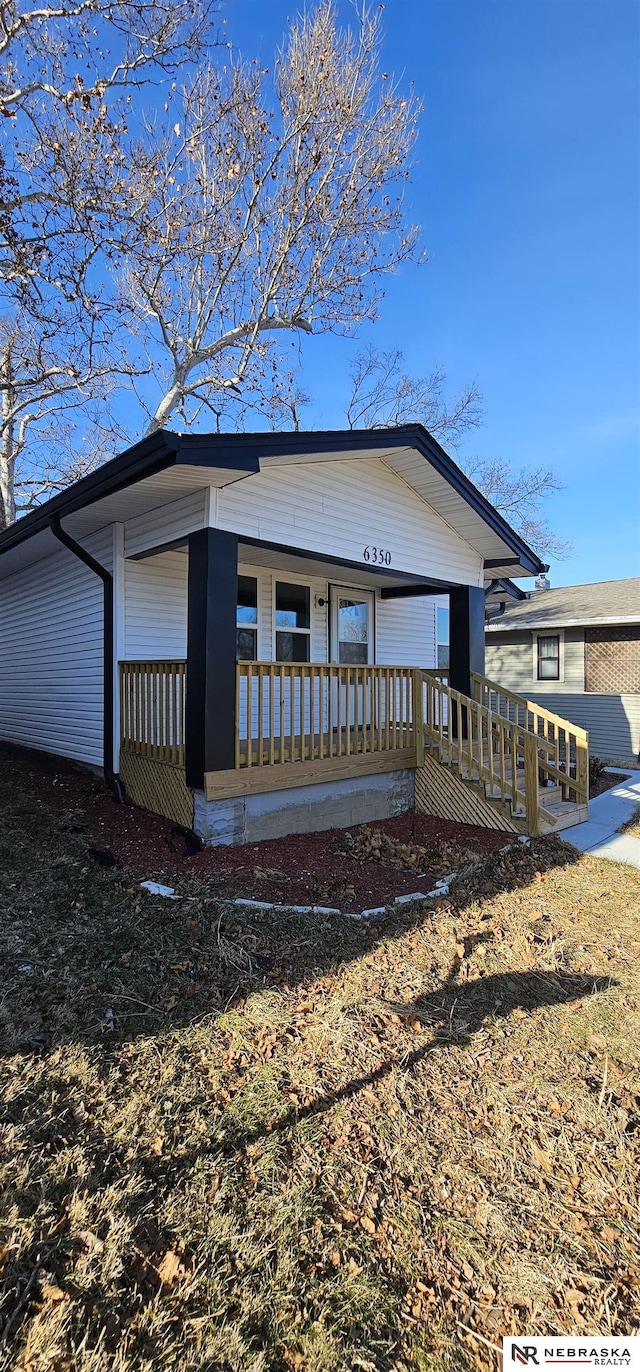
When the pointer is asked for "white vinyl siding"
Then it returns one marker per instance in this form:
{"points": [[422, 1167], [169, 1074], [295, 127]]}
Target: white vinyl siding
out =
{"points": [[613, 721], [406, 632], [156, 607], [339, 509], [511, 659], [51, 654]]}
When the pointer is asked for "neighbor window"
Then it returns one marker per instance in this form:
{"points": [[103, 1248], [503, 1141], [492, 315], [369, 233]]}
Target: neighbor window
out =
{"points": [[442, 629], [293, 622], [549, 657], [247, 619]]}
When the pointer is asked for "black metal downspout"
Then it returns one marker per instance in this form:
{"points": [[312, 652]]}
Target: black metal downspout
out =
{"points": [[107, 642]]}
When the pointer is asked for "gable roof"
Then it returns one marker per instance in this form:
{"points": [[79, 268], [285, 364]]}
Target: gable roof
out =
{"points": [[596, 602], [166, 466]]}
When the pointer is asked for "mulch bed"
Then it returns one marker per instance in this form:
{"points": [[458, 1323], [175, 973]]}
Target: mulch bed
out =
{"points": [[301, 869], [606, 782]]}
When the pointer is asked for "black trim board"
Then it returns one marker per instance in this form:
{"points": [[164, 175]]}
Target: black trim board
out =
{"points": [[242, 452], [108, 665], [210, 715]]}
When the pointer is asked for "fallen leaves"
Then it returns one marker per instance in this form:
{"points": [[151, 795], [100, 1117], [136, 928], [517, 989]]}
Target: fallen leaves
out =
{"points": [[170, 1268]]}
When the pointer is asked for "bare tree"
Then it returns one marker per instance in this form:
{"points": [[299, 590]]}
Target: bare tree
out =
{"points": [[69, 70], [273, 207], [519, 495], [383, 394]]}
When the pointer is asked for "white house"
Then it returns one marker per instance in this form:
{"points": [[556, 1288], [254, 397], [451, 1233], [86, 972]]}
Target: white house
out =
{"points": [[240, 631]]}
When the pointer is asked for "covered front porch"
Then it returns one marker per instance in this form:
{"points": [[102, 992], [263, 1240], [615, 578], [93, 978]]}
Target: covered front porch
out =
{"points": [[350, 739], [297, 670]]}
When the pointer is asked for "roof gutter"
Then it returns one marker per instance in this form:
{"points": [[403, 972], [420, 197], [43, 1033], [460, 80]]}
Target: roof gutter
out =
{"points": [[107, 645]]}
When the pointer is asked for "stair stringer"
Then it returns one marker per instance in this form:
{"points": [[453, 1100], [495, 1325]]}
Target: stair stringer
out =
{"points": [[446, 795]]}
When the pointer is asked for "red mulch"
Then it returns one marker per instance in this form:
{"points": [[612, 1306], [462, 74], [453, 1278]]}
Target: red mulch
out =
{"points": [[301, 869]]}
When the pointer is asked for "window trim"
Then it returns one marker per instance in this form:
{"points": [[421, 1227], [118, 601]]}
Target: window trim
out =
{"points": [[550, 681], [292, 580], [254, 628]]}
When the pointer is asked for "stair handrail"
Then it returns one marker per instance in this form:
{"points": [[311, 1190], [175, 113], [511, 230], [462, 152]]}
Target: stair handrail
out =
{"points": [[571, 772], [460, 742]]}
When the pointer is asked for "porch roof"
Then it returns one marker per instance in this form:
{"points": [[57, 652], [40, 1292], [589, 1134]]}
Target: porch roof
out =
{"points": [[165, 466]]}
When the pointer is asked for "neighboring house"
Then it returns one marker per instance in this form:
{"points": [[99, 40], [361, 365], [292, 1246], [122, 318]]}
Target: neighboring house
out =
{"points": [[576, 650], [240, 630]]}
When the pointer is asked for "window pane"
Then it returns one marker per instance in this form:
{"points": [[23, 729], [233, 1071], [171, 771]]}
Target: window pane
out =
{"points": [[246, 645], [353, 653], [292, 647], [443, 654], [353, 624], [247, 600], [292, 609], [549, 658], [442, 620]]}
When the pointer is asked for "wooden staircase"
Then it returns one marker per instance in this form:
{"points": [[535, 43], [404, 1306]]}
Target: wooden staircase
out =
{"points": [[508, 763]]}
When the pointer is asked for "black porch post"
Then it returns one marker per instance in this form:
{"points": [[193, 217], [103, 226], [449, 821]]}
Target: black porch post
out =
{"points": [[210, 724], [466, 636]]}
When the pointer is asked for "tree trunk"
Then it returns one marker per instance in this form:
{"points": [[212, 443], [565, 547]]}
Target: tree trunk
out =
{"points": [[7, 454]]}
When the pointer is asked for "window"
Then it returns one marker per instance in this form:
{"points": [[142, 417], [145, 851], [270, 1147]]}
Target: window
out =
{"points": [[549, 657], [293, 622], [442, 632], [247, 619]]}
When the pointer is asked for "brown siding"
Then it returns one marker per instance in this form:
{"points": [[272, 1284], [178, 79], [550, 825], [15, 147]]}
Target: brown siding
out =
{"points": [[612, 660]]}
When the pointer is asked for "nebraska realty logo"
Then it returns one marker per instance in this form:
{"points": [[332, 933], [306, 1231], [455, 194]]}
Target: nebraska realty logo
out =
{"points": [[589, 1352]]}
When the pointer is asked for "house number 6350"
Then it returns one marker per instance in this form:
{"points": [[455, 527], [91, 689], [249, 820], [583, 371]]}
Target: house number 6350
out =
{"points": [[372, 554]]}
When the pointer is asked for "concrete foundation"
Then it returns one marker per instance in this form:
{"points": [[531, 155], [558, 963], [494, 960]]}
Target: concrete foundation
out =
{"points": [[303, 809]]}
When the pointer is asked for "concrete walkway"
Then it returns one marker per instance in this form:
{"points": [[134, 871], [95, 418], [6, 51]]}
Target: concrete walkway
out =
{"points": [[599, 834]]}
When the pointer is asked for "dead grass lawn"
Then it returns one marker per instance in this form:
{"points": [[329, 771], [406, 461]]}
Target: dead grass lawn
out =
{"points": [[312, 1144]]}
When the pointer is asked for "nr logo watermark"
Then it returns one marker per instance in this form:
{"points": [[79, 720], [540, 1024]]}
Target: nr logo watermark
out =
{"points": [[592, 1351]]}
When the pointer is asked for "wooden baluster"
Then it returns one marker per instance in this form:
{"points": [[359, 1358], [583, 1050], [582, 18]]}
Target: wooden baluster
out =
{"points": [[281, 684], [260, 670], [503, 775], [532, 796], [515, 737], [582, 770], [272, 714], [347, 674], [292, 713]]}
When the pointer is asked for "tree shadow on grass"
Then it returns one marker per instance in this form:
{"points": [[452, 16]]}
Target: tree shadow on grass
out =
{"points": [[81, 942], [90, 958]]}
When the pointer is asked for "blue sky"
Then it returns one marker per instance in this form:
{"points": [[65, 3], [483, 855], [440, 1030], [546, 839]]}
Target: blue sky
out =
{"points": [[527, 187]]}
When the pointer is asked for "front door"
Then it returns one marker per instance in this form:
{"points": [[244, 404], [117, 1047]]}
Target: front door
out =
{"points": [[351, 626]]}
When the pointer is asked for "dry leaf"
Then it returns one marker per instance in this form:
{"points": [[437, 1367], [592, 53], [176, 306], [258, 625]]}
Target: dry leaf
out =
{"points": [[49, 1292], [171, 1003], [158, 1145], [334, 1257], [170, 1268], [367, 1224], [542, 1157]]}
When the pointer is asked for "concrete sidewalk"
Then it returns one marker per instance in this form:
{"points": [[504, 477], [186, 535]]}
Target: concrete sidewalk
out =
{"points": [[599, 834]]}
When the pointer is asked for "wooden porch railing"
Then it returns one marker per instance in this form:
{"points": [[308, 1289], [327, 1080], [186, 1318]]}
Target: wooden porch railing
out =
{"points": [[500, 749], [297, 712], [152, 700], [563, 747]]}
